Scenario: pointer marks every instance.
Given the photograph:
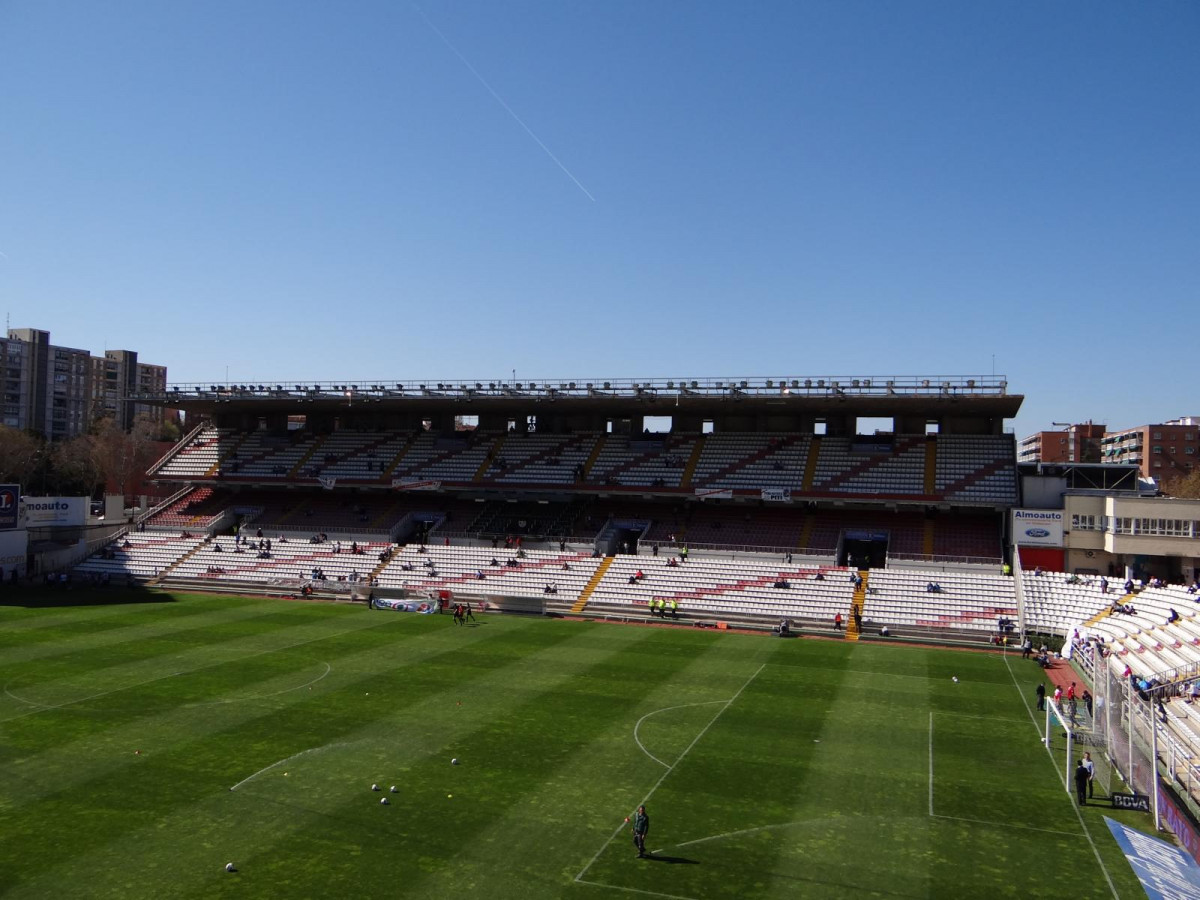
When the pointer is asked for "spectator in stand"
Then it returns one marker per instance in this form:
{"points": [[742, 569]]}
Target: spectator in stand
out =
{"points": [[1173, 617], [1037, 570], [837, 622]]}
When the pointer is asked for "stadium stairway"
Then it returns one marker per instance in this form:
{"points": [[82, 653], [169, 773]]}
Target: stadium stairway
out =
{"points": [[1105, 613], [308, 454], [492, 454], [690, 468], [593, 456], [399, 457], [930, 465], [806, 531], [590, 587], [810, 466], [161, 576], [231, 451], [853, 631]]}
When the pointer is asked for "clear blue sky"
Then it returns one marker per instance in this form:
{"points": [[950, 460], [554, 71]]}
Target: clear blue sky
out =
{"points": [[311, 191]]}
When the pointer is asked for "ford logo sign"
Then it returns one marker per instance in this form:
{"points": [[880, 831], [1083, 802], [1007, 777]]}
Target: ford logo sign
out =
{"points": [[1036, 532]]}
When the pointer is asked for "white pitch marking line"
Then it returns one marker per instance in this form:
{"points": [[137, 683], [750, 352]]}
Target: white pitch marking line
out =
{"points": [[717, 837], [282, 761], [328, 669], [1069, 834], [617, 887], [1078, 814], [931, 762], [669, 770], [655, 713], [41, 707]]}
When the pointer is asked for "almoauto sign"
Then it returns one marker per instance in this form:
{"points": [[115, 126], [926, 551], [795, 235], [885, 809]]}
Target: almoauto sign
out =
{"points": [[1038, 527], [41, 512]]}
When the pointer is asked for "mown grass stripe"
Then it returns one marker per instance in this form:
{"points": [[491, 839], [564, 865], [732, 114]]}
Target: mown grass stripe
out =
{"points": [[421, 731]]}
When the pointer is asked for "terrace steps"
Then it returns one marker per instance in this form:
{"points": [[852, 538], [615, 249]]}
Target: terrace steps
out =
{"points": [[853, 631], [590, 587], [303, 461], [810, 467], [690, 468]]}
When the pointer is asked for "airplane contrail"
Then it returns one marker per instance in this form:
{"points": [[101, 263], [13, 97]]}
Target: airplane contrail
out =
{"points": [[500, 100]]}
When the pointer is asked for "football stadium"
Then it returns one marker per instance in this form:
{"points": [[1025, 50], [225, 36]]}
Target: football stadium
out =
{"points": [[445, 639]]}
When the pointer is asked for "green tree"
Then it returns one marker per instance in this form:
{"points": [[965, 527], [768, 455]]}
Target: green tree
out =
{"points": [[1186, 487], [21, 456]]}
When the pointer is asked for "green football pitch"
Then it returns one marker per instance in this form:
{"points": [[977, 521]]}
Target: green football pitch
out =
{"points": [[146, 740]]}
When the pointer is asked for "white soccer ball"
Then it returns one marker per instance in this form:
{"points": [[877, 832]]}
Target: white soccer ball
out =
{"points": [[383, 801], [954, 678], [374, 787], [394, 791], [454, 762], [229, 867]]}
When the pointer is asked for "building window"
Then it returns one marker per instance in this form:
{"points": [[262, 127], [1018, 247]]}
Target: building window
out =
{"points": [[1085, 523], [1158, 449], [1157, 436]]}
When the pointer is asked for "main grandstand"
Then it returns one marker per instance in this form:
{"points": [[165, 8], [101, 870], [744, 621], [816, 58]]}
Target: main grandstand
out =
{"points": [[557, 494]]}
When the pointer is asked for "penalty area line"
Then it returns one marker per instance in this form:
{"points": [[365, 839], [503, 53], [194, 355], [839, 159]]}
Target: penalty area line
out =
{"points": [[632, 890], [285, 759], [1078, 815], [1017, 825], [671, 768]]}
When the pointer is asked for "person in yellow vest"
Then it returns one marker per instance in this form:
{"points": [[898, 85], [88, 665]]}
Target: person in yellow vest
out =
{"points": [[674, 608]]}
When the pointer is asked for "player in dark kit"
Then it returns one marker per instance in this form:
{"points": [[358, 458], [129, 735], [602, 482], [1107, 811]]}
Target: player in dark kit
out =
{"points": [[641, 827]]}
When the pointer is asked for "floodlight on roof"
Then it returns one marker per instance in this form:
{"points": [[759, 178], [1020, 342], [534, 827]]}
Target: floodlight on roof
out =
{"points": [[571, 385], [770, 383], [744, 384], [422, 387], [820, 382], [695, 384], [795, 382], [925, 383], [607, 385], [808, 382], [479, 385]]}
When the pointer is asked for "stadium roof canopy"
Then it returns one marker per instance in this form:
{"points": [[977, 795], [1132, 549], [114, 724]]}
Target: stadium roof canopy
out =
{"points": [[848, 395]]}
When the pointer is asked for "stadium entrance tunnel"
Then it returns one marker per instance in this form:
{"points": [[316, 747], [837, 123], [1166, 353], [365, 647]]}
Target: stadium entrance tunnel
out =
{"points": [[863, 549], [627, 539]]}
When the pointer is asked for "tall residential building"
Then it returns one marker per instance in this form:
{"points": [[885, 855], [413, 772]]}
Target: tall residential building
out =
{"points": [[46, 388], [1161, 452], [117, 375], [60, 391], [1078, 443]]}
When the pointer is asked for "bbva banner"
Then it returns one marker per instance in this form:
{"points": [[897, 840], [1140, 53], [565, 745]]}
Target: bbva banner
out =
{"points": [[1038, 527], [43, 512], [417, 606]]}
